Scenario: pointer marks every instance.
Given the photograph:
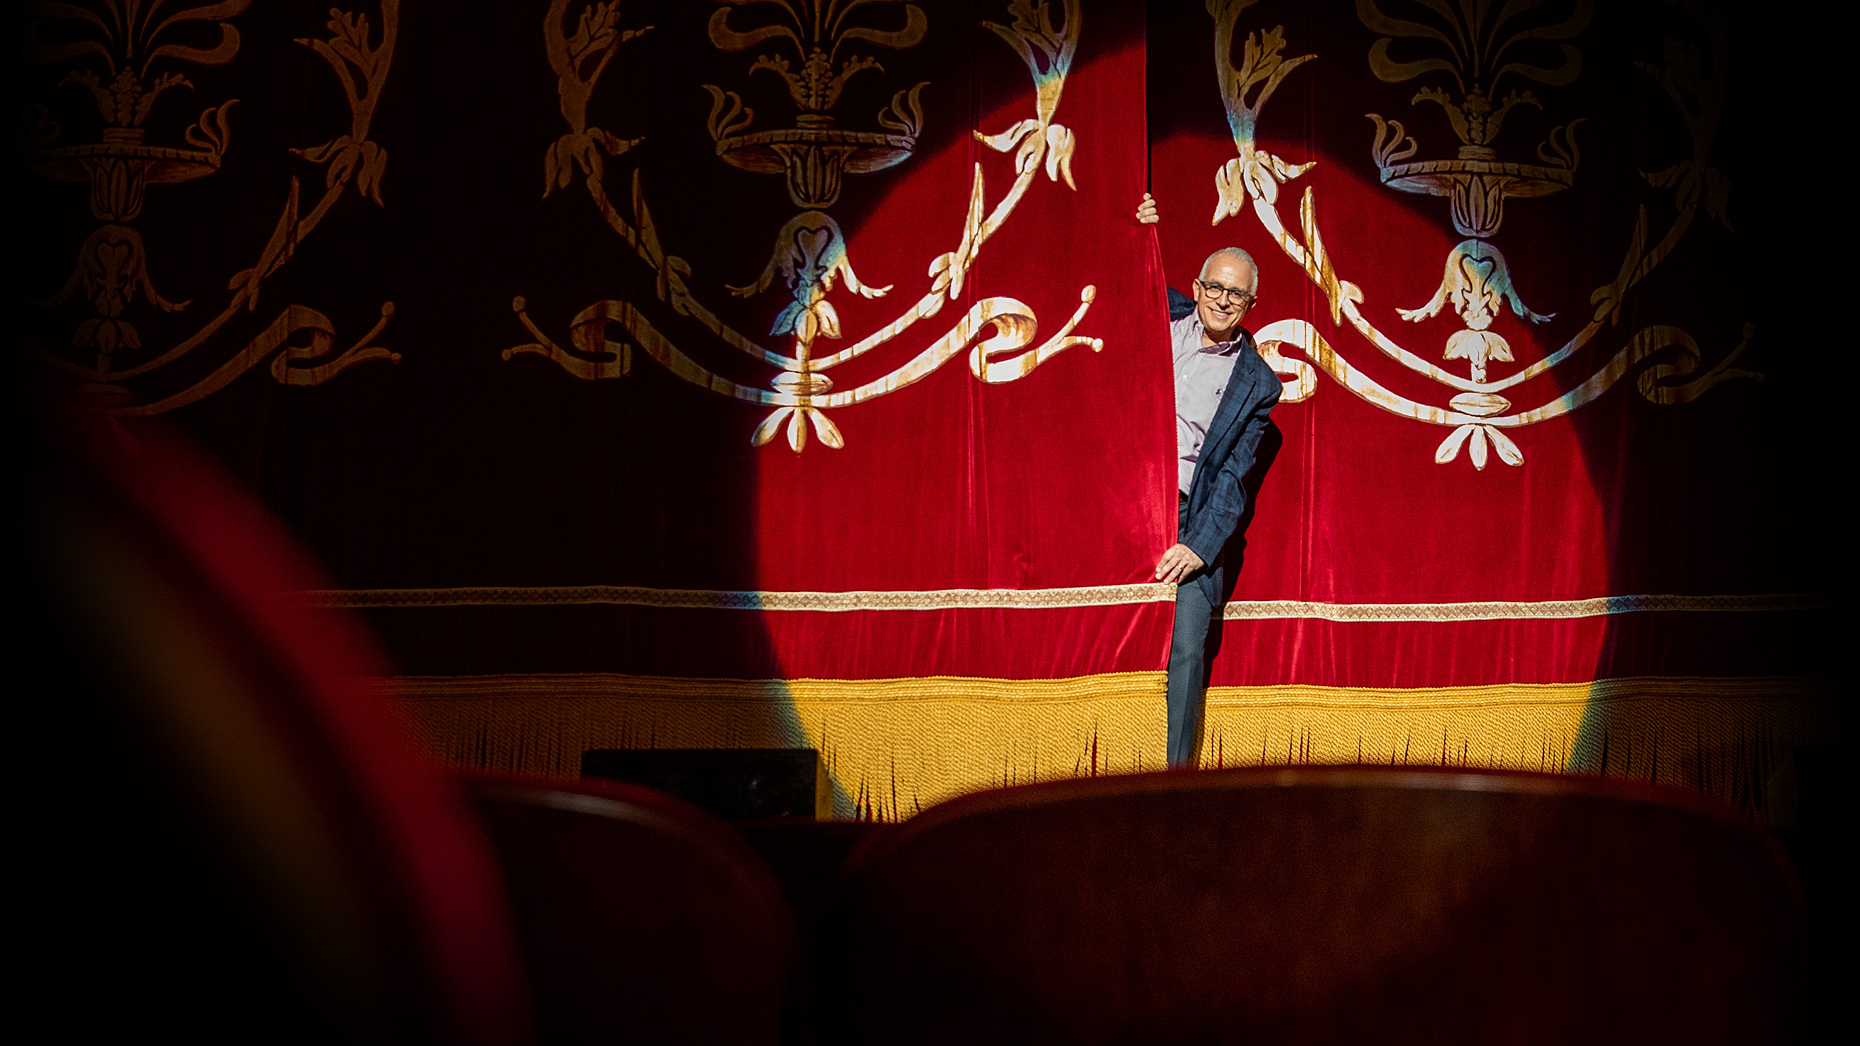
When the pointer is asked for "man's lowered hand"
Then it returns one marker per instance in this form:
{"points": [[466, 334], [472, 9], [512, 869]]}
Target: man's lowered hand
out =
{"points": [[1177, 563]]}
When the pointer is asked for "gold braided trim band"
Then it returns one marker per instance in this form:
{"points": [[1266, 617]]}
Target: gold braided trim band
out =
{"points": [[1499, 610], [1044, 598], [711, 599]]}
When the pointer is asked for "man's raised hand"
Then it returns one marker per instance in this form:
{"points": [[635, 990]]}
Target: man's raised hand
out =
{"points": [[1146, 211]]}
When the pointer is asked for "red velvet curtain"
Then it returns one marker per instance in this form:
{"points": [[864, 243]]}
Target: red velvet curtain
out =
{"points": [[749, 344], [1555, 394]]}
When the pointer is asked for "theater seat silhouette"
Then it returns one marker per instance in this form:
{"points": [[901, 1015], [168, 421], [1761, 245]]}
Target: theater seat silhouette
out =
{"points": [[1317, 905], [641, 919], [227, 837]]}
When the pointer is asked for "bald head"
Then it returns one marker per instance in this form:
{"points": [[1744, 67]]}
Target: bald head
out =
{"points": [[1237, 258]]}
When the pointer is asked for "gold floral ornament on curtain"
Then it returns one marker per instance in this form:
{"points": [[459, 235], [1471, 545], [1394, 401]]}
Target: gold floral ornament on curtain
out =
{"points": [[125, 54], [1472, 46], [811, 46]]}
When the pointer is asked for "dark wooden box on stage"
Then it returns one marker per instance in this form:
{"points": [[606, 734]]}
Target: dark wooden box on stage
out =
{"points": [[735, 784]]}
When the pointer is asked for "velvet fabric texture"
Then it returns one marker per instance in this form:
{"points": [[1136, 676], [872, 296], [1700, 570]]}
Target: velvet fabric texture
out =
{"points": [[557, 333]]}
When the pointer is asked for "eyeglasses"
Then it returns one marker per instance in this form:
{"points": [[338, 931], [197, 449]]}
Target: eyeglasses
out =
{"points": [[1231, 294]]}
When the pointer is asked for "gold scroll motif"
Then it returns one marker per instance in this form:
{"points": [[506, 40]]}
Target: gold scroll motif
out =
{"points": [[1477, 283], [113, 266], [810, 258]]}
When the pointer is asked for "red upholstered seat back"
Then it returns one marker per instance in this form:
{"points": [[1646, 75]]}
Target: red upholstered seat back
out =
{"points": [[641, 919], [1317, 905], [234, 840]]}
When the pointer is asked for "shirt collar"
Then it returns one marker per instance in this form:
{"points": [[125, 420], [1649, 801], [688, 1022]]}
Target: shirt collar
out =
{"points": [[1219, 348]]}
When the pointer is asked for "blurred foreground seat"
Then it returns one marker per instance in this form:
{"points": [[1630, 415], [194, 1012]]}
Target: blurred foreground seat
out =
{"points": [[641, 919], [224, 838], [1316, 905]]}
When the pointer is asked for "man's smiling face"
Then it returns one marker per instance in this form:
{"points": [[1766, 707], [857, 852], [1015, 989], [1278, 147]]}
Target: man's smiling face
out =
{"points": [[1219, 308]]}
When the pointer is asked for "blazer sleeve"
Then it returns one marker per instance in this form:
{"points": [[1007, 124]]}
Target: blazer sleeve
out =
{"points": [[1211, 527]]}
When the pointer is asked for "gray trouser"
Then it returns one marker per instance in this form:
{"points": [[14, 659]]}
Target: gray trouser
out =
{"points": [[1188, 671]]}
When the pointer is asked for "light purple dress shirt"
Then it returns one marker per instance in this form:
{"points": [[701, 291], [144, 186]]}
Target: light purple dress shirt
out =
{"points": [[1201, 374]]}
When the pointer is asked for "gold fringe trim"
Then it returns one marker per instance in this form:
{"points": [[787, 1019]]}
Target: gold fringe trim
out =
{"points": [[1702, 732], [895, 746], [892, 746]]}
